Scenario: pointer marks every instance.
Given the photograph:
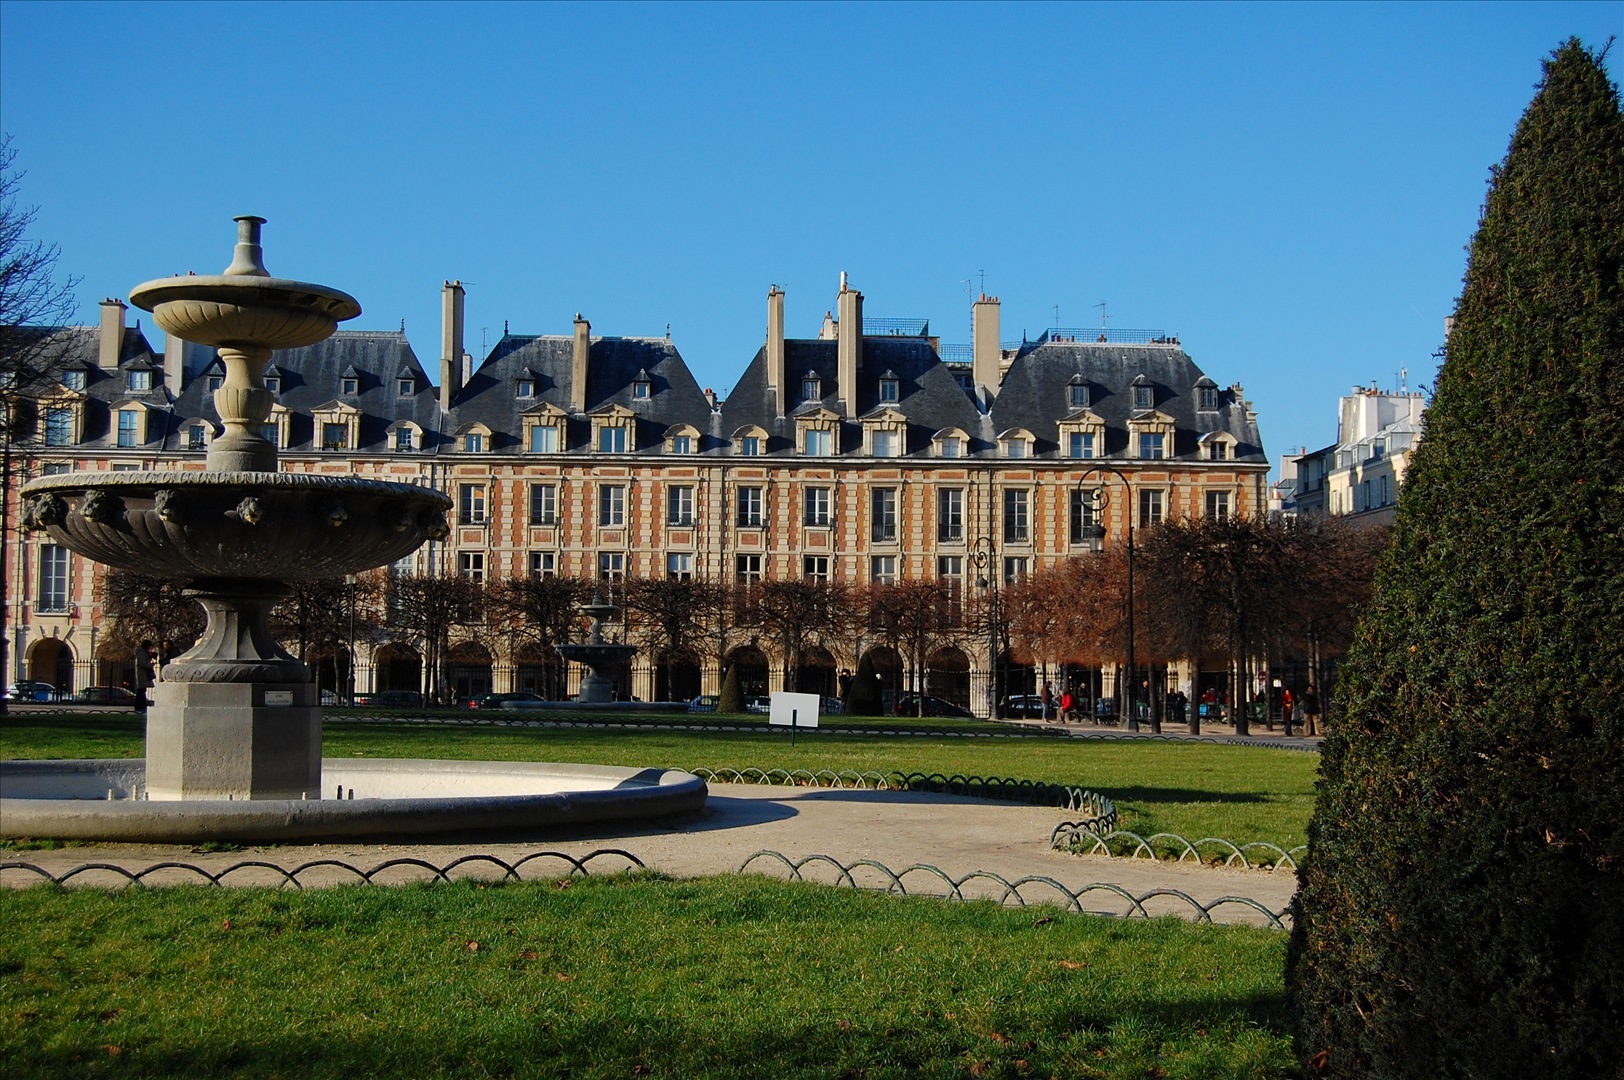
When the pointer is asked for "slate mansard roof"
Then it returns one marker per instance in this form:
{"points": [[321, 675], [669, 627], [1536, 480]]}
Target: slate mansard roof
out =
{"points": [[1034, 395]]}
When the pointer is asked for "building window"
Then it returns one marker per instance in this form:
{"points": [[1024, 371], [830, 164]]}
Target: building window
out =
{"points": [[269, 433], [750, 446], [59, 426], [1015, 570], [611, 566], [1015, 448], [611, 504], [527, 388], [612, 439], [1078, 394], [679, 566], [126, 466], [1015, 516], [679, 505], [817, 442], [1144, 397], [815, 567], [950, 514], [403, 438], [950, 568], [682, 444], [53, 577], [127, 421], [1364, 495], [543, 564], [884, 525], [1208, 398], [141, 380], [473, 442], [882, 569], [543, 504], [952, 447], [1082, 516], [74, 378], [544, 439], [1151, 444], [1218, 505], [811, 389], [195, 437], [890, 389], [349, 386], [1386, 495], [885, 444], [750, 507], [214, 382], [55, 468], [747, 568], [1150, 508], [273, 384], [406, 386], [471, 504], [1218, 450], [471, 565], [1080, 444], [640, 389], [335, 436], [817, 507]]}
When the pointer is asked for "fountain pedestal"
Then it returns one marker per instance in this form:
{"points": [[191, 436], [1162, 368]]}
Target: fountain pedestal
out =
{"points": [[234, 740]]}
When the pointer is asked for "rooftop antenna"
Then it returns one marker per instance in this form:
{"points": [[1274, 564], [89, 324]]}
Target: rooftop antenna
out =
{"points": [[983, 274], [1057, 316], [1101, 306], [483, 346]]}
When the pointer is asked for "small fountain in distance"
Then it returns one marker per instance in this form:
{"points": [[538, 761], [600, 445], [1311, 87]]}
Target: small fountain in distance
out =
{"points": [[234, 734]]}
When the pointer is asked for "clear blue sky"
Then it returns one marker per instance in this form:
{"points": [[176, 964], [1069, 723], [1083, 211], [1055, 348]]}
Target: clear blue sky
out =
{"points": [[1288, 187]]}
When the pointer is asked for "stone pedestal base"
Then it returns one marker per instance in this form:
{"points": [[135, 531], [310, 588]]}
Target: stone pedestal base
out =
{"points": [[239, 740], [595, 689]]}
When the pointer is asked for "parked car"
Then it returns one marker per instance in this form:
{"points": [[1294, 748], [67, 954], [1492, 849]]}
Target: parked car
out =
{"points": [[27, 690], [704, 703], [106, 695], [934, 706], [391, 699], [516, 699], [758, 704], [1022, 707]]}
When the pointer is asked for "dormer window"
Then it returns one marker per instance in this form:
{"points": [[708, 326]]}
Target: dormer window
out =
{"points": [[59, 425], [1016, 448], [544, 439], [197, 437], [1080, 444], [140, 380], [214, 382], [612, 439], [952, 447], [811, 387], [349, 386], [884, 443], [74, 378], [473, 442], [890, 387], [1077, 392], [1206, 394], [750, 446], [818, 442], [527, 388], [1144, 393], [273, 383], [682, 444], [403, 438], [406, 386], [335, 436], [641, 386]]}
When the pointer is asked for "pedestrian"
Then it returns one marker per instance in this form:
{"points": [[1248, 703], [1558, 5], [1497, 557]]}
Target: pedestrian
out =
{"points": [[1311, 711], [1068, 702], [1286, 705], [143, 674], [845, 683], [1047, 697]]}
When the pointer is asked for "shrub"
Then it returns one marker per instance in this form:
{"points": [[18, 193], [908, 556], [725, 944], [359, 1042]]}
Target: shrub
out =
{"points": [[863, 699], [1462, 901], [732, 696]]}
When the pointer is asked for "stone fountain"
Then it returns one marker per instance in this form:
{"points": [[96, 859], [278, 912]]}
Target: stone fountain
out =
{"points": [[596, 653], [234, 734]]}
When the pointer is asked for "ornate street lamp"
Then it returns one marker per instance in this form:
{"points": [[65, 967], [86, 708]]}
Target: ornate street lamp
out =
{"points": [[1100, 499], [982, 555]]}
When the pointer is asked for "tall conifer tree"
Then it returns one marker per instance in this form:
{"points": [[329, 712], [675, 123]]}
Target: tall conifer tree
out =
{"points": [[1462, 902]]}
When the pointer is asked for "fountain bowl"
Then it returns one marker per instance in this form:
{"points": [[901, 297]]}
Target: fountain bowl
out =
{"points": [[252, 526], [370, 799], [244, 310]]}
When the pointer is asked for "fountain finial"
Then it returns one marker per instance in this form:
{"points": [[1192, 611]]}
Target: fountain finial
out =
{"points": [[248, 258]]}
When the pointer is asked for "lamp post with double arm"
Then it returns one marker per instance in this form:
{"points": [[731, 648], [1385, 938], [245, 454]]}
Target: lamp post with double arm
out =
{"points": [[1099, 499]]}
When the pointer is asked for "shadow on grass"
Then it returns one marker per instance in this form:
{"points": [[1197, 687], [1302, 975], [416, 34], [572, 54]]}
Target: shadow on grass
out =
{"points": [[1181, 795]]}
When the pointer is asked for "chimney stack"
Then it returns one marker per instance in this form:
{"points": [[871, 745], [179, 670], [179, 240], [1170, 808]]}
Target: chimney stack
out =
{"points": [[451, 297], [849, 346], [583, 349], [112, 334], [988, 355], [775, 346]]}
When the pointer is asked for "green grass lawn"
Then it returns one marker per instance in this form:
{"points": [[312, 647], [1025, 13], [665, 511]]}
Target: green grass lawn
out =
{"points": [[620, 976], [1240, 793]]}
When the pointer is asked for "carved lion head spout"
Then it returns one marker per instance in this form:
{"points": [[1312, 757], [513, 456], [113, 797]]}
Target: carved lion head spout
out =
{"points": [[249, 511], [101, 507], [43, 511], [168, 505]]}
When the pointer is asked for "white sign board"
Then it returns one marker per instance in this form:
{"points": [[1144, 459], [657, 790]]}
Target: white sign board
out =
{"points": [[803, 708]]}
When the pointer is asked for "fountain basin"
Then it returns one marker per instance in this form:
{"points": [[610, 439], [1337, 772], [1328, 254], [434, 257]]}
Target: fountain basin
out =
{"points": [[270, 526], [383, 798]]}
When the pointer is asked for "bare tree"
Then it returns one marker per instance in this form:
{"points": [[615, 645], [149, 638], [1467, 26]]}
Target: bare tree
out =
{"points": [[429, 607], [322, 617], [544, 611], [916, 618], [795, 615], [673, 617], [143, 608], [35, 308]]}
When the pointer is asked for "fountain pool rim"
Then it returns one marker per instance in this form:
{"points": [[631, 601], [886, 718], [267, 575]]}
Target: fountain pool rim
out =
{"points": [[67, 800]]}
